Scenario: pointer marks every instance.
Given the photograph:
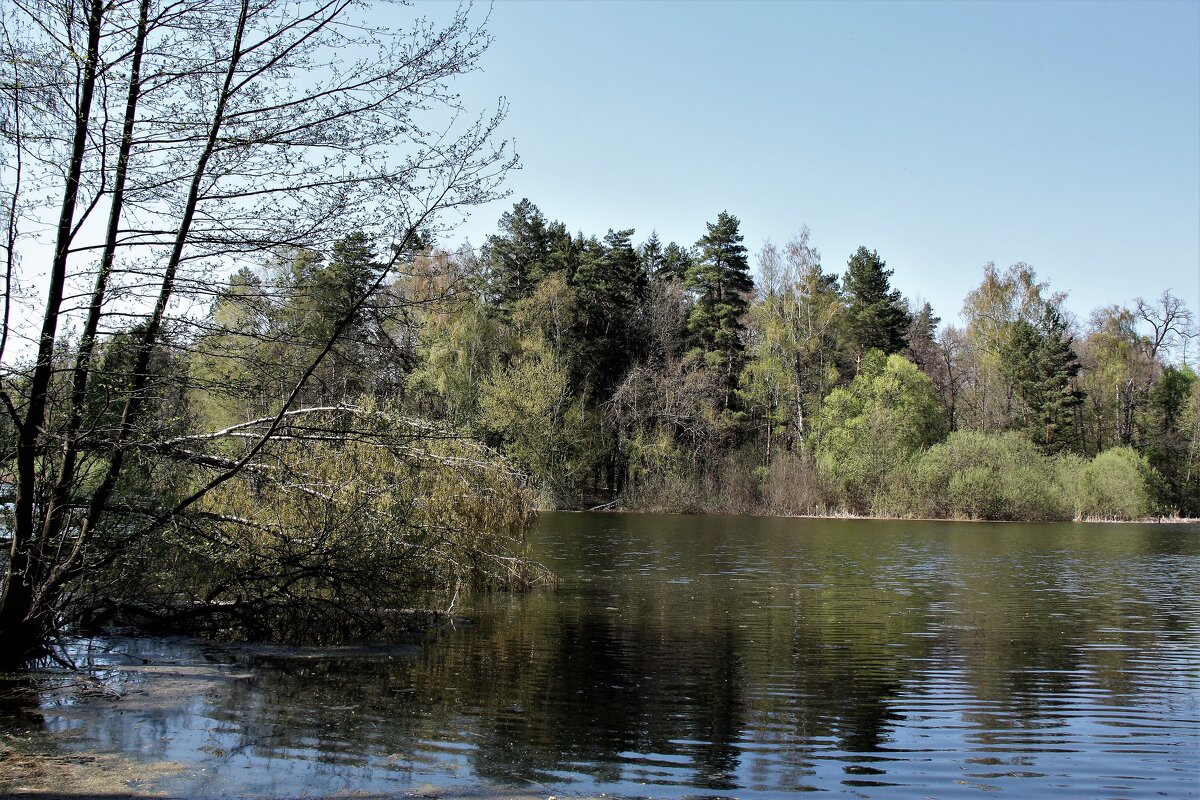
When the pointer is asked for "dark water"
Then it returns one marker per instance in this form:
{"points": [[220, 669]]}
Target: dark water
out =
{"points": [[733, 657]]}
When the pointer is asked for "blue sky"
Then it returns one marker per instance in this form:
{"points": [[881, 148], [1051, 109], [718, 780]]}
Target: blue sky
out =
{"points": [[943, 135]]}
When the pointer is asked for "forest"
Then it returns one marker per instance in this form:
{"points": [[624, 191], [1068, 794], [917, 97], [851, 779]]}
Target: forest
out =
{"points": [[685, 378], [244, 386]]}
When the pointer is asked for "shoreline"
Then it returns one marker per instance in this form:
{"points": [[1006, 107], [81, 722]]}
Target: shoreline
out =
{"points": [[608, 508], [94, 775]]}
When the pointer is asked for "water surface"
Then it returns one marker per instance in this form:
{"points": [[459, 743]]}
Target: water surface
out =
{"points": [[727, 657]]}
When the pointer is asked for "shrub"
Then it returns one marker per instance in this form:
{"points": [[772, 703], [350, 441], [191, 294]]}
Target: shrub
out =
{"points": [[981, 475], [794, 486], [875, 426], [1069, 471], [1117, 484]]}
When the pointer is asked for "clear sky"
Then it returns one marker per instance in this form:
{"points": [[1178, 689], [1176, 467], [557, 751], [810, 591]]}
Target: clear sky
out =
{"points": [[944, 134]]}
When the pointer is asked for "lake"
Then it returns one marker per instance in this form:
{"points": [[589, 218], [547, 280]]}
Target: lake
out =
{"points": [[722, 657]]}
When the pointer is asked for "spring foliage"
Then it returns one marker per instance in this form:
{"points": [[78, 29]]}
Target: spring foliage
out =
{"points": [[663, 377], [146, 147]]}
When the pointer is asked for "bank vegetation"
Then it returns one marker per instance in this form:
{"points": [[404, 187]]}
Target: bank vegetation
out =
{"points": [[695, 378], [210, 211]]}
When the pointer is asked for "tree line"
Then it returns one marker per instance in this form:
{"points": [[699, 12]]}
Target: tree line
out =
{"points": [[665, 377]]}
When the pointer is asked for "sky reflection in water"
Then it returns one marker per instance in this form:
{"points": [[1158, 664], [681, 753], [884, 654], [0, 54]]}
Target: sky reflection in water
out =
{"points": [[726, 656]]}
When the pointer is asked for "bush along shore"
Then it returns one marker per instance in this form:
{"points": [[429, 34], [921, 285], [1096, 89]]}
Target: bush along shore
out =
{"points": [[970, 475]]}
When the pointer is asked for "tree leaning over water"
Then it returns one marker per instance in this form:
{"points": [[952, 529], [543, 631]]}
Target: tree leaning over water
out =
{"points": [[148, 146]]}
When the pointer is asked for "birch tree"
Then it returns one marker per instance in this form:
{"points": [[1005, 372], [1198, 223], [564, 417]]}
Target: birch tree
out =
{"points": [[149, 148]]}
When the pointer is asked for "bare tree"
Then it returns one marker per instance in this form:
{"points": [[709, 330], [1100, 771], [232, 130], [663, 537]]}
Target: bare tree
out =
{"points": [[1171, 323], [149, 146]]}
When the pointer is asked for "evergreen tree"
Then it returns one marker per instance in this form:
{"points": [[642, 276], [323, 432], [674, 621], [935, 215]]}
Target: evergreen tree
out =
{"points": [[876, 313], [1060, 393], [352, 270], [720, 281], [610, 288], [1041, 367], [651, 254], [921, 339], [367, 355], [676, 262], [528, 249], [325, 290], [623, 267]]}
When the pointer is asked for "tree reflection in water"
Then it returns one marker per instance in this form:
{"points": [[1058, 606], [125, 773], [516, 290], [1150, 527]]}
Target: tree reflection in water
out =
{"points": [[750, 657]]}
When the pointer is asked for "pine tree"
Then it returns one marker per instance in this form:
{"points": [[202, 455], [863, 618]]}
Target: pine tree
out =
{"points": [[720, 280], [922, 338], [325, 290], [876, 313], [676, 262], [528, 249], [1041, 366], [610, 287], [1059, 391]]}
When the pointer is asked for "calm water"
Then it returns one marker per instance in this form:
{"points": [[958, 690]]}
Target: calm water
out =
{"points": [[731, 657]]}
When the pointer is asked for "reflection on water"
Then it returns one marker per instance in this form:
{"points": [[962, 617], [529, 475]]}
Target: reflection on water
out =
{"points": [[701, 656]]}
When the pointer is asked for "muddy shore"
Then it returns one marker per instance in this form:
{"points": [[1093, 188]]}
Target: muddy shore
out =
{"points": [[31, 767]]}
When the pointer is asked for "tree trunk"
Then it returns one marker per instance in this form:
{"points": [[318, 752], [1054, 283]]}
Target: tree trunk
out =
{"points": [[20, 623]]}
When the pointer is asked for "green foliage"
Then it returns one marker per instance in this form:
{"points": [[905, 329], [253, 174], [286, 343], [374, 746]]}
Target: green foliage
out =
{"points": [[571, 356], [1005, 476], [1003, 302], [230, 359], [878, 318], [1169, 438], [651, 254], [114, 377], [527, 406], [340, 297], [1117, 484], [793, 353], [214, 151], [876, 426], [527, 249], [610, 286], [922, 345], [1189, 427], [676, 262], [1041, 367], [333, 537], [720, 280], [567, 356], [766, 390], [669, 420], [981, 475], [458, 347]]}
